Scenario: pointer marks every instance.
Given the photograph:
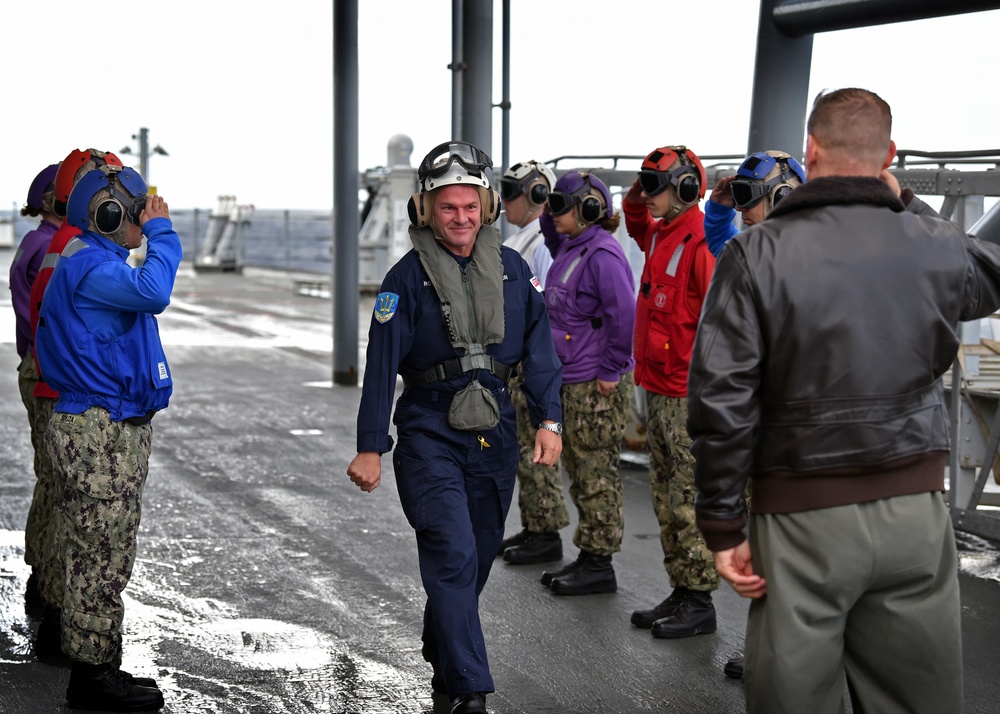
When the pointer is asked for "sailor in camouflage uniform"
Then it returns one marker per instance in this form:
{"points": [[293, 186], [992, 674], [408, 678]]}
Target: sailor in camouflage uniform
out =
{"points": [[590, 296], [523, 189], [663, 216], [100, 310]]}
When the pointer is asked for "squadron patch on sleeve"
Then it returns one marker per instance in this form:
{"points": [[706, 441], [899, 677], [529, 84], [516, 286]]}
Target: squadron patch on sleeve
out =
{"points": [[385, 306], [536, 283]]}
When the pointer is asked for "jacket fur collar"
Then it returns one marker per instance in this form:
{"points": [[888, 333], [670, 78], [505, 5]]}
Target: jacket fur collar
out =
{"points": [[838, 190]]}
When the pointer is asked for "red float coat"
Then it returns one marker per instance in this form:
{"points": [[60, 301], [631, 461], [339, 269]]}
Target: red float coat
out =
{"points": [[59, 241], [674, 281]]}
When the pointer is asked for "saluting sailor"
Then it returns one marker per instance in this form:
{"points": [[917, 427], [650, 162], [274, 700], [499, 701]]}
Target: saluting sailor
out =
{"points": [[456, 316]]}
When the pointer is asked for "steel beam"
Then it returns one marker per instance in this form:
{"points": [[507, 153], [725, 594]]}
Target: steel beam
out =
{"points": [[798, 18], [344, 280], [477, 77], [780, 88]]}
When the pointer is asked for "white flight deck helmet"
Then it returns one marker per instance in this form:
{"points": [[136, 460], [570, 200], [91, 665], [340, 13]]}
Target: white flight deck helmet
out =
{"points": [[532, 178], [454, 163]]}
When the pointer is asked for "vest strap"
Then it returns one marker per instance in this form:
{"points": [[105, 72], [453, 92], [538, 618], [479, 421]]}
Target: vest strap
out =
{"points": [[456, 367]]}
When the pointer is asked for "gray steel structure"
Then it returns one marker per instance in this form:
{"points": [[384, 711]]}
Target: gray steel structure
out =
{"points": [[345, 192], [784, 50]]}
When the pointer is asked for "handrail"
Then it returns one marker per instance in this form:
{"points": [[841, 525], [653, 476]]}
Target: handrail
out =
{"points": [[903, 158]]}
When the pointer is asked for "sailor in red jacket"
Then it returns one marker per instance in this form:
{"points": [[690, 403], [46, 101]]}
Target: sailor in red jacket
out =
{"points": [[662, 215]]}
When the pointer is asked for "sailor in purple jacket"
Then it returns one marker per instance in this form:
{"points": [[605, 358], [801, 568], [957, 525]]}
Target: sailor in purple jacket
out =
{"points": [[590, 298], [23, 269]]}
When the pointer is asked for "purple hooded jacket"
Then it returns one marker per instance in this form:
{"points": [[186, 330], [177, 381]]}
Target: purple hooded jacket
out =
{"points": [[590, 298], [23, 269]]}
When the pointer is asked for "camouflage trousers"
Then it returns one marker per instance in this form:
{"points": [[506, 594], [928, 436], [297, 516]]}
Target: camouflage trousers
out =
{"points": [[539, 495], [593, 429], [40, 512], [689, 562], [104, 464], [50, 564]]}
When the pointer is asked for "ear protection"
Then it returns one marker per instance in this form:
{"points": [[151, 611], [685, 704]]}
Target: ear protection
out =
{"points": [[110, 212], [791, 170], [688, 177], [688, 188], [419, 207], [780, 192], [537, 191], [592, 207]]}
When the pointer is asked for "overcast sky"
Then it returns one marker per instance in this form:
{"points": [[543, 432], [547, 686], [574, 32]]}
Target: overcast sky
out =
{"points": [[239, 92]]}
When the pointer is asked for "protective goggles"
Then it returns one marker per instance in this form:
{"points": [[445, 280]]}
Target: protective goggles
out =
{"points": [[441, 158], [748, 186], [655, 182], [135, 210], [133, 183], [747, 194], [560, 202], [510, 188]]}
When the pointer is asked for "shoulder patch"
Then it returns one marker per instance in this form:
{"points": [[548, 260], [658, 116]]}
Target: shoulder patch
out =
{"points": [[536, 283], [385, 306]]}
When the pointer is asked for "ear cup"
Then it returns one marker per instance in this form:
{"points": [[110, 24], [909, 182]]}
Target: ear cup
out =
{"points": [[108, 216], [688, 188], [415, 210], [538, 192], [491, 205], [591, 209], [780, 192]]}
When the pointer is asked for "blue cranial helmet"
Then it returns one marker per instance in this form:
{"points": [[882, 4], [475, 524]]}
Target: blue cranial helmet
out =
{"points": [[126, 197], [766, 174]]}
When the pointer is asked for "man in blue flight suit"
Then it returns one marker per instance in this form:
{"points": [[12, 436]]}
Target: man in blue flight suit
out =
{"points": [[455, 317]]}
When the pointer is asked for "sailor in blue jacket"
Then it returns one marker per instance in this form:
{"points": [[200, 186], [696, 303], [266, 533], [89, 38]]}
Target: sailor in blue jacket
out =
{"points": [[455, 316], [98, 345]]}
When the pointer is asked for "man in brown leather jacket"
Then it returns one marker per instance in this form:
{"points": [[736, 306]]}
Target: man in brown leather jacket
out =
{"points": [[817, 373]]}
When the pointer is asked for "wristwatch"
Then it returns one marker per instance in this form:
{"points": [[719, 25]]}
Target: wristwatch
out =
{"points": [[553, 426]]}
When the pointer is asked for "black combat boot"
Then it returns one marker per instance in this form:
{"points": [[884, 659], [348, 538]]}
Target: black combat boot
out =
{"points": [[536, 548], [694, 616], [594, 575], [474, 703], [116, 662], [103, 686], [514, 540], [646, 618], [33, 600], [734, 667], [548, 575], [48, 640]]}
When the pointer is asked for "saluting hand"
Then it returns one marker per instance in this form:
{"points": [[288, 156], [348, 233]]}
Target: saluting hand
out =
{"points": [[155, 207], [890, 181], [634, 194], [722, 194]]}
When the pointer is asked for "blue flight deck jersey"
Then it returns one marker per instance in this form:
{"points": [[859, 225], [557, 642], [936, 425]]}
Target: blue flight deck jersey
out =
{"points": [[408, 334], [97, 340], [719, 227]]}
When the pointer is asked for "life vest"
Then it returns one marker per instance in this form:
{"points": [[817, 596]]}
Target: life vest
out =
{"points": [[665, 323]]}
